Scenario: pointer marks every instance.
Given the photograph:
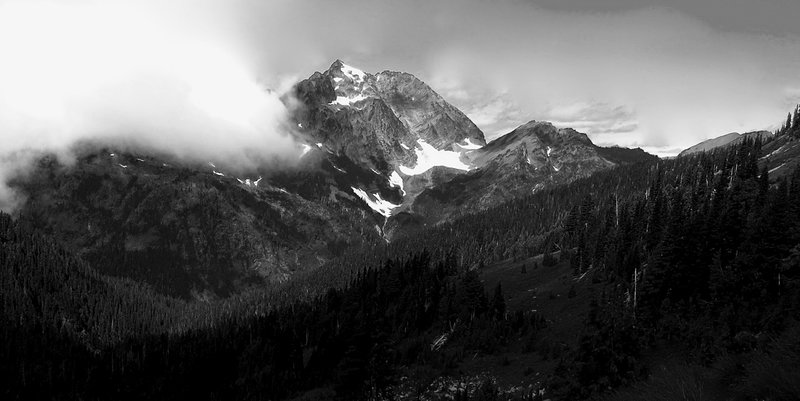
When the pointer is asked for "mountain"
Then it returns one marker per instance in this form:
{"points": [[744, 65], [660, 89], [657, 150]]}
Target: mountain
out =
{"points": [[432, 159], [527, 159], [415, 320], [724, 140], [208, 230], [382, 156], [187, 230], [618, 278], [378, 120], [390, 127]]}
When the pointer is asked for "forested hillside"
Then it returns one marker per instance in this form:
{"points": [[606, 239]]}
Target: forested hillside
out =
{"points": [[706, 261], [71, 334], [680, 274]]}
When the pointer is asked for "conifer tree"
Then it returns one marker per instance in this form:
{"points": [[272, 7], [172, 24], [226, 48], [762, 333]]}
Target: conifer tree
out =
{"points": [[498, 303]]}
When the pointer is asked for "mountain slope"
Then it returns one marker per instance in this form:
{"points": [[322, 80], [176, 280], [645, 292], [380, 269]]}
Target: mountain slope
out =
{"points": [[191, 231], [382, 155], [781, 155], [389, 123], [420, 145], [402, 323], [725, 140], [523, 161]]}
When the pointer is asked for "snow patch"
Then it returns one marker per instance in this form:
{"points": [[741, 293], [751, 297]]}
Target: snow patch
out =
{"points": [[375, 171], [470, 145], [405, 146], [141, 160], [396, 181], [212, 165], [379, 205], [429, 157], [353, 73], [122, 165], [217, 173], [776, 168], [112, 154], [337, 167], [774, 152], [548, 151], [306, 149], [347, 100], [556, 168]]}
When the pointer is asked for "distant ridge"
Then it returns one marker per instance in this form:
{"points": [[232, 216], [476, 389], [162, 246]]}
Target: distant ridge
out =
{"points": [[724, 140]]}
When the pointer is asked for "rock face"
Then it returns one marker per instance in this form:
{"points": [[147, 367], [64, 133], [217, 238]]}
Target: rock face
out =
{"points": [[523, 161], [381, 154], [378, 119], [724, 140]]}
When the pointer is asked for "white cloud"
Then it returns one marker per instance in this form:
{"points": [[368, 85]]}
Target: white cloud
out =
{"points": [[128, 76]]}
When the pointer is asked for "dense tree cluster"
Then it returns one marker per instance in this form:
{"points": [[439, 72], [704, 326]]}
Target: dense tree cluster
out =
{"points": [[706, 258], [792, 125], [71, 333]]}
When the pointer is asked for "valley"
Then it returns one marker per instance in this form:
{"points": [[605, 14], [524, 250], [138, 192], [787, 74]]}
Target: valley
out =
{"points": [[399, 255]]}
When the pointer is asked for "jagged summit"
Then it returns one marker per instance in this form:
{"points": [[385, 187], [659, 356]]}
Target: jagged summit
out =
{"points": [[348, 70], [336, 65], [350, 84], [380, 119]]}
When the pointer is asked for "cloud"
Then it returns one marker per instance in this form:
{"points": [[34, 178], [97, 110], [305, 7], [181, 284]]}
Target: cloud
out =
{"points": [[129, 75], [680, 78], [495, 115], [604, 122]]}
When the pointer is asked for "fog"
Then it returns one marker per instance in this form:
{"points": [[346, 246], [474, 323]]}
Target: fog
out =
{"points": [[133, 76]]}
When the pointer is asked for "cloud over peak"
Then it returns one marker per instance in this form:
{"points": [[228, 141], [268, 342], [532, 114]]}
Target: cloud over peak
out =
{"points": [[130, 76]]}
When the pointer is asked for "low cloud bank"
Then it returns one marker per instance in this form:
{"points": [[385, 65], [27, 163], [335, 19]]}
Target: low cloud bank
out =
{"points": [[133, 77]]}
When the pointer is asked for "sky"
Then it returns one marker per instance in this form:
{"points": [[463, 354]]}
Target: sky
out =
{"points": [[188, 77], [662, 75]]}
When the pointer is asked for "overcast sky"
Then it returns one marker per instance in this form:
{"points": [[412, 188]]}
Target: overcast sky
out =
{"points": [[660, 74]]}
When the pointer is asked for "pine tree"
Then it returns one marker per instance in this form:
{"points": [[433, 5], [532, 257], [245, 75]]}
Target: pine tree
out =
{"points": [[498, 303], [796, 121]]}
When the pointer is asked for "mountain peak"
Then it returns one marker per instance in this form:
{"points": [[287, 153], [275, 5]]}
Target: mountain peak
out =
{"points": [[534, 124], [337, 64], [339, 68]]}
